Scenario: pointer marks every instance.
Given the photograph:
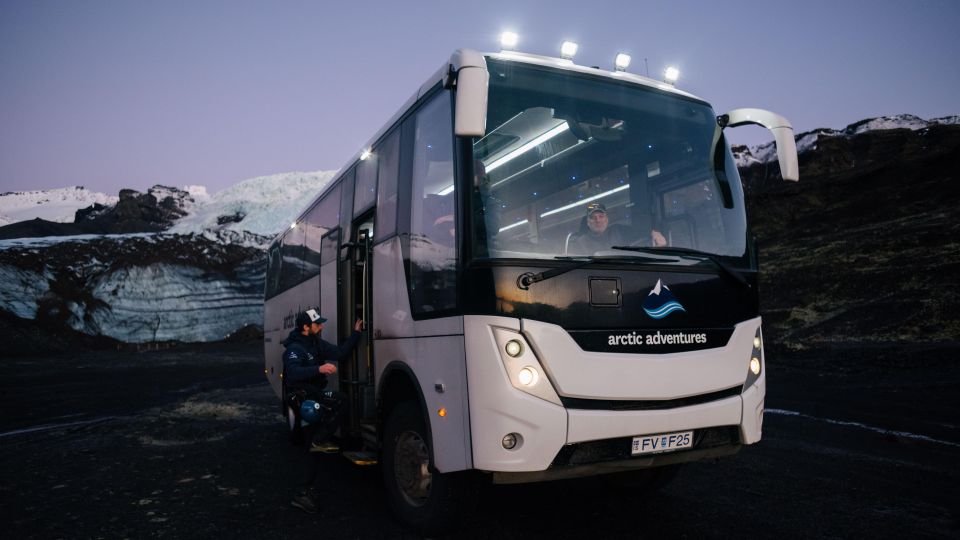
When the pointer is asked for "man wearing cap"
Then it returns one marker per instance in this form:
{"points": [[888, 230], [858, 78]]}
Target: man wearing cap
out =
{"points": [[307, 361], [600, 236]]}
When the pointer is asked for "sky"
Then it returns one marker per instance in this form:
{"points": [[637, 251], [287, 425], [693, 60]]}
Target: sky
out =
{"points": [[113, 94]]}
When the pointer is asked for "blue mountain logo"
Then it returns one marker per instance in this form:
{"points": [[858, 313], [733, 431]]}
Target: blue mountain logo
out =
{"points": [[661, 302]]}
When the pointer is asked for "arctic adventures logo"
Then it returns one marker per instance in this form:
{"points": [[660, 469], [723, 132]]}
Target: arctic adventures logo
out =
{"points": [[661, 302]]}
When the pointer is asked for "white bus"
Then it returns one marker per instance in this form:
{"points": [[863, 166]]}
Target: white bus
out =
{"points": [[508, 338]]}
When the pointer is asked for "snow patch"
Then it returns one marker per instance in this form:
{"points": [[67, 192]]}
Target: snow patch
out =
{"points": [[267, 204], [807, 141], [59, 205]]}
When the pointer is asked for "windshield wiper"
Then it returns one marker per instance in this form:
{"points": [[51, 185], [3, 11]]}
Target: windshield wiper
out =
{"points": [[725, 269], [529, 278]]}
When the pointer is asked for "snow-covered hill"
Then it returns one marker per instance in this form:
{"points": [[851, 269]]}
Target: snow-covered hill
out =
{"points": [[199, 280], [59, 205], [263, 205], [806, 141]]}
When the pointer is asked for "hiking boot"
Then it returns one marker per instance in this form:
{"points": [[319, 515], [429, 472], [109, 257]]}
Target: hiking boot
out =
{"points": [[327, 447], [306, 500]]}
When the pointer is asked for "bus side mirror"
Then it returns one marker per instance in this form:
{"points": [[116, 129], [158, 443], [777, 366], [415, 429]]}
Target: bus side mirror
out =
{"points": [[471, 111], [782, 135]]}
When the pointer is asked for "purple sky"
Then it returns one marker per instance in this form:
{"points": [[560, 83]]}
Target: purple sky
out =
{"points": [[126, 93]]}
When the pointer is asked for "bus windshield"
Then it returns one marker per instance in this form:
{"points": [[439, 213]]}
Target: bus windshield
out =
{"points": [[573, 165]]}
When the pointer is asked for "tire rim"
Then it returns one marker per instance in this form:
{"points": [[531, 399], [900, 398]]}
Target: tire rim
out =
{"points": [[411, 468]]}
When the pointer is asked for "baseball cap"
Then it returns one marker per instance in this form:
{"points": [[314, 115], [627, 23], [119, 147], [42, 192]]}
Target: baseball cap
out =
{"points": [[596, 207], [309, 316]]}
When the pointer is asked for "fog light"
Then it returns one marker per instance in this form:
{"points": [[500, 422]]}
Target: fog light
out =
{"points": [[755, 365], [509, 441], [513, 348], [528, 376]]}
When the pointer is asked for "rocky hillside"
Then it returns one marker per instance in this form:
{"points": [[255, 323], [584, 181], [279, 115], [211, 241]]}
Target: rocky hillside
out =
{"points": [[865, 247], [132, 212]]}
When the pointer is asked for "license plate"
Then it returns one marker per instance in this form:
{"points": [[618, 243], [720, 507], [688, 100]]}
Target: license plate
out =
{"points": [[665, 442]]}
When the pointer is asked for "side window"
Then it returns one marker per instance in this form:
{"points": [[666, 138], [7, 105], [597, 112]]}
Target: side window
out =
{"points": [[389, 161], [321, 219], [271, 286], [432, 251], [291, 267], [366, 189], [329, 246]]}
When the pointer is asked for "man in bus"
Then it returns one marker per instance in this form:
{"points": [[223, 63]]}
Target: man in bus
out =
{"points": [[307, 361], [600, 235]]}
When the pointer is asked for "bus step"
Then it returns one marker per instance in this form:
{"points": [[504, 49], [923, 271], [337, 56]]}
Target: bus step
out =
{"points": [[361, 457]]}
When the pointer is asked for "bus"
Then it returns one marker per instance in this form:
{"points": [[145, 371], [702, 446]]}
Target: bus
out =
{"points": [[507, 338]]}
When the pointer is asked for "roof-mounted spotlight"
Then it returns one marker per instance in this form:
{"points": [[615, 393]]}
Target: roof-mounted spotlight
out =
{"points": [[568, 50], [508, 41], [671, 74], [365, 154], [622, 61]]}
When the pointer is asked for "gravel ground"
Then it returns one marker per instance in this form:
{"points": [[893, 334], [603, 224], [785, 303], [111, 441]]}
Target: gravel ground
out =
{"points": [[201, 452]]}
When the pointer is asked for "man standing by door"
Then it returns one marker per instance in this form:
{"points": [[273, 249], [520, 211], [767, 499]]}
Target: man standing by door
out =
{"points": [[307, 361]]}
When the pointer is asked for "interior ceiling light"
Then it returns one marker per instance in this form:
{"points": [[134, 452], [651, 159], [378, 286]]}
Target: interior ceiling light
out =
{"points": [[568, 50]]}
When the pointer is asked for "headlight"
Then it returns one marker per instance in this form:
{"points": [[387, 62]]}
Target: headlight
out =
{"points": [[523, 368], [755, 364], [513, 348]]}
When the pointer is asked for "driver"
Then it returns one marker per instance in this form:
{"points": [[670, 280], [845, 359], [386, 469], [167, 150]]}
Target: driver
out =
{"points": [[600, 235]]}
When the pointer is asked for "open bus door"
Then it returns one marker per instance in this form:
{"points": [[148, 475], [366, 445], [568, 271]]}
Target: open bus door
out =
{"points": [[356, 378]]}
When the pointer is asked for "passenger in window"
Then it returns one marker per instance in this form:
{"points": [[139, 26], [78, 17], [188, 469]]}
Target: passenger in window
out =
{"points": [[596, 233]]}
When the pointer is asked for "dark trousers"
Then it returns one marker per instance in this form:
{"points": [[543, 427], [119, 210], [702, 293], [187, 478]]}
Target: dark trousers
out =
{"points": [[331, 402]]}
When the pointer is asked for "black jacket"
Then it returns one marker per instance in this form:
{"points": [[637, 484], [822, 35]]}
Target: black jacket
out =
{"points": [[304, 355]]}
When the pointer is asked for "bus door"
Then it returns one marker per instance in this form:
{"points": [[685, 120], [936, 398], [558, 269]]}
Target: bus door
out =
{"points": [[357, 378]]}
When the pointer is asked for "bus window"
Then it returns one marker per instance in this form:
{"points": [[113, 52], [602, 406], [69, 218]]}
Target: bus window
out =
{"points": [[323, 217], [273, 271], [432, 248], [389, 159], [292, 266], [328, 247]]}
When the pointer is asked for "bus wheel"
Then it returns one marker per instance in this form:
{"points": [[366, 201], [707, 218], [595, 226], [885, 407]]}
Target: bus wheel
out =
{"points": [[421, 497]]}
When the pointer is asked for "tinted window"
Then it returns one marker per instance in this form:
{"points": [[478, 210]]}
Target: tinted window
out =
{"points": [[389, 160], [273, 270], [322, 218], [293, 263], [431, 251], [329, 246]]}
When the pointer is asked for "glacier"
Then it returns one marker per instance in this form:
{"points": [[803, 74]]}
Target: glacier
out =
{"points": [[200, 280]]}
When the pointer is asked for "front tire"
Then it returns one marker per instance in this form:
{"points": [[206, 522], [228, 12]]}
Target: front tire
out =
{"points": [[429, 501]]}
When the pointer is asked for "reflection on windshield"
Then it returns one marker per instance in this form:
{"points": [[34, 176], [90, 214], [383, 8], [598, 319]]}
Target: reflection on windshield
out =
{"points": [[573, 165]]}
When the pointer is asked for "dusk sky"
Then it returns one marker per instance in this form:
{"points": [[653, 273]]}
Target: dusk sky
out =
{"points": [[122, 93]]}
